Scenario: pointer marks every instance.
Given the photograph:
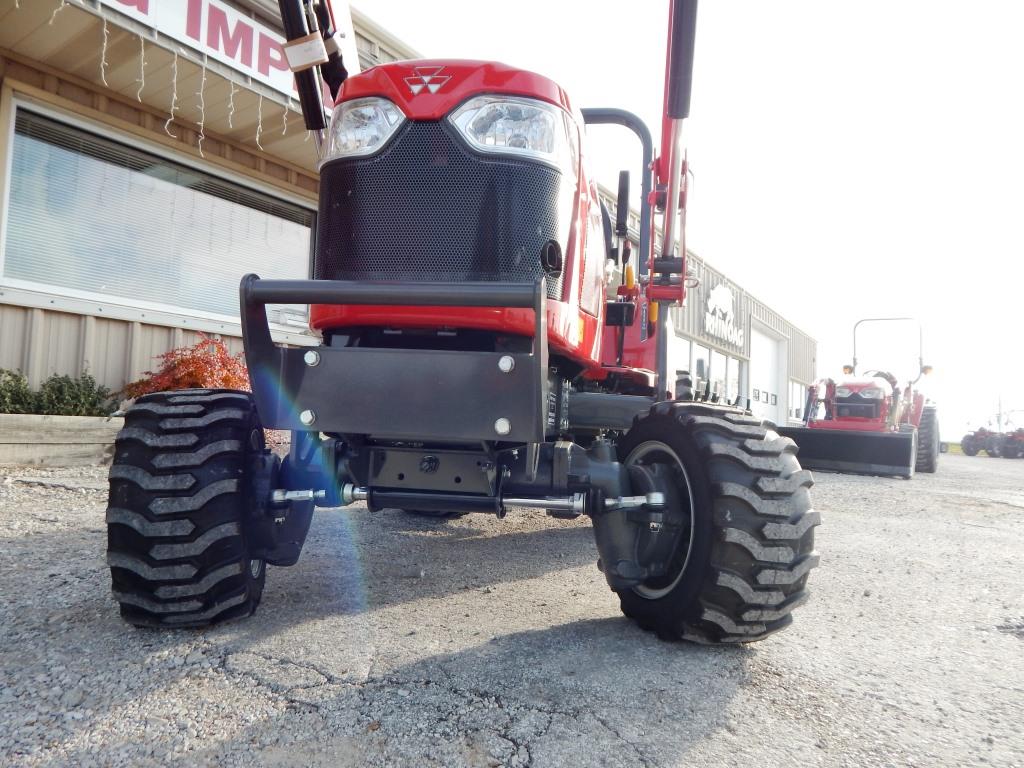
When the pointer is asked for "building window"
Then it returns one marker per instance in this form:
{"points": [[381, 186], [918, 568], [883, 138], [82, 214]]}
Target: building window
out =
{"points": [[717, 374], [732, 379], [679, 356], [95, 217], [701, 367]]}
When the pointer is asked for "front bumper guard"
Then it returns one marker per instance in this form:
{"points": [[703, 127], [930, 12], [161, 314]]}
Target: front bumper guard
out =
{"points": [[398, 394]]}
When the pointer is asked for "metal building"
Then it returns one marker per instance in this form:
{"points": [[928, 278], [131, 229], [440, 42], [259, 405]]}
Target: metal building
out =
{"points": [[735, 347], [739, 347], [152, 152]]}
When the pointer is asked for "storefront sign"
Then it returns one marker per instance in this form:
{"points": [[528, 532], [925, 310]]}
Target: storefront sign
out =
{"points": [[720, 317], [220, 31]]}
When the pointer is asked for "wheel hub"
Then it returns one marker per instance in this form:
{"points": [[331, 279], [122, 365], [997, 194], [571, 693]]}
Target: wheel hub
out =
{"points": [[655, 463]]}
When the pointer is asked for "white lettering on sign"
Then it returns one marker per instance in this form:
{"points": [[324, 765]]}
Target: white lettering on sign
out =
{"points": [[215, 28], [720, 317]]}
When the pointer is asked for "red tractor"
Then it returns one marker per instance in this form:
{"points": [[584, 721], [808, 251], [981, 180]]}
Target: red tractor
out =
{"points": [[981, 439], [1012, 444], [869, 424], [471, 361]]}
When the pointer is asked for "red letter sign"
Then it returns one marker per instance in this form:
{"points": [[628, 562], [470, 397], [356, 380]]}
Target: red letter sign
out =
{"points": [[218, 32]]}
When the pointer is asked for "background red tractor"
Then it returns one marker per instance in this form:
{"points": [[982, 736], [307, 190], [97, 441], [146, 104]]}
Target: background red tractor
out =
{"points": [[981, 439], [1012, 444], [872, 423], [1002, 441], [1009, 445]]}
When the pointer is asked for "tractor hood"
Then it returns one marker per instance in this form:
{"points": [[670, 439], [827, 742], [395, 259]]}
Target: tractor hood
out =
{"points": [[870, 387], [864, 382], [429, 89]]}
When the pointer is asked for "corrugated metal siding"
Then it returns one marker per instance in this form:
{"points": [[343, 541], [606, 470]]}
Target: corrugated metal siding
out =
{"points": [[41, 342], [107, 335], [13, 333], [803, 357]]}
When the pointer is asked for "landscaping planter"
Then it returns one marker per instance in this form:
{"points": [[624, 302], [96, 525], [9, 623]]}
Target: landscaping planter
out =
{"points": [[57, 441]]}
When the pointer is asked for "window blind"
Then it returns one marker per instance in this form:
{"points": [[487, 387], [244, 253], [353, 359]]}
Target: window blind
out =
{"points": [[95, 215]]}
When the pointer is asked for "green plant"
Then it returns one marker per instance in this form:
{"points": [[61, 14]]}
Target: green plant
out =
{"points": [[65, 396], [206, 364], [15, 395]]}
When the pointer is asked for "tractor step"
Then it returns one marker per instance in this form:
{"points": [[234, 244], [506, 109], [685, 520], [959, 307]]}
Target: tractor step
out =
{"points": [[866, 453]]}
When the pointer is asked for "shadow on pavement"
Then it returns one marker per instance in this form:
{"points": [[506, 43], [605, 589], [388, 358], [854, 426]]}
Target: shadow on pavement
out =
{"points": [[355, 560], [331, 641], [595, 692]]}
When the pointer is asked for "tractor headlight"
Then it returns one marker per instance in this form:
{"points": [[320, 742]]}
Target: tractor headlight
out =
{"points": [[843, 391], [361, 127], [511, 125], [872, 393]]}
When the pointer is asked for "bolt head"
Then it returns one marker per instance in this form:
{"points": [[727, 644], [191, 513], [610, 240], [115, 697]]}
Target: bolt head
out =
{"points": [[307, 417], [506, 363], [502, 426], [311, 358]]}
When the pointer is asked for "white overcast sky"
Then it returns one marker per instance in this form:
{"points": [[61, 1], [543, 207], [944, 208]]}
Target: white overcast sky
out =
{"points": [[851, 159]]}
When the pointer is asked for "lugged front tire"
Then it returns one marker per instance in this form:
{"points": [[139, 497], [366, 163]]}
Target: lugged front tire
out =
{"points": [[742, 568], [178, 507], [928, 441]]}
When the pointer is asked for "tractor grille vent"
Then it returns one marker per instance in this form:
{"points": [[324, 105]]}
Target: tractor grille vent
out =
{"points": [[857, 407], [428, 209]]}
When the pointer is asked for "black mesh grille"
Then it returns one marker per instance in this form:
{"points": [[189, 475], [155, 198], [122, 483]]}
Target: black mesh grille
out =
{"points": [[856, 406], [427, 209]]}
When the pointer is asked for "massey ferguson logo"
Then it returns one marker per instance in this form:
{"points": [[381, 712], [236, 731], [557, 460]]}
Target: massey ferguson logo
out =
{"points": [[720, 318], [426, 77]]}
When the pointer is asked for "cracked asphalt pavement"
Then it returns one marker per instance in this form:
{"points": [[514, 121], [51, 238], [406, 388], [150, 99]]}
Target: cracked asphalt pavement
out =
{"points": [[405, 642]]}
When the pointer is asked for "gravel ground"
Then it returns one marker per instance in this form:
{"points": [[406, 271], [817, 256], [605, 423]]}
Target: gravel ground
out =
{"points": [[397, 641]]}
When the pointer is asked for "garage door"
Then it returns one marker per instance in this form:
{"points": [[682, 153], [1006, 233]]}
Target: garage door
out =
{"points": [[767, 400]]}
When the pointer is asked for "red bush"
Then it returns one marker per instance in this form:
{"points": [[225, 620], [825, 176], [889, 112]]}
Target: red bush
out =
{"points": [[206, 364]]}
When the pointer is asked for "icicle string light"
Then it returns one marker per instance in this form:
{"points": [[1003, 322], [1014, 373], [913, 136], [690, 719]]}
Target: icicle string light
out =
{"points": [[259, 122], [58, 9], [201, 93], [174, 96], [231, 105], [284, 117], [103, 53], [142, 69]]}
